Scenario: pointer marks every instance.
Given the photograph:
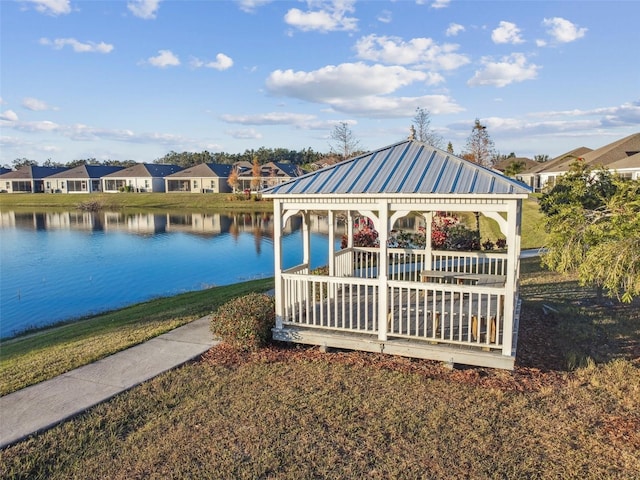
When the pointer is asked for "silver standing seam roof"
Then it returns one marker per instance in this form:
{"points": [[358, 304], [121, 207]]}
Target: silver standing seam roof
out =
{"points": [[407, 167]]}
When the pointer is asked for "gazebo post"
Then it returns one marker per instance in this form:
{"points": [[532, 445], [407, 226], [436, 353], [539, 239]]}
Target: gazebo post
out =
{"points": [[306, 239], [428, 231], [332, 236], [383, 296], [277, 255], [513, 249]]}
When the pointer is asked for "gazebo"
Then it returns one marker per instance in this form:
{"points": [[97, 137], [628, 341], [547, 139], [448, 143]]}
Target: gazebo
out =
{"points": [[460, 307]]}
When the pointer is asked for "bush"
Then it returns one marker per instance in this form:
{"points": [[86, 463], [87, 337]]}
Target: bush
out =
{"points": [[462, 238], [488, 245], [245, 322]]}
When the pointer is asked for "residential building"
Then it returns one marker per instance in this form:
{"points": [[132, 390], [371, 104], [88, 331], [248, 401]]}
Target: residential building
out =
{"points": [[142, 177], [80, 179], [28, 179]]}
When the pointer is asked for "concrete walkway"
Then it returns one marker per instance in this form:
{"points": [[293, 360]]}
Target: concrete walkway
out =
{"points": [[41, 406]]}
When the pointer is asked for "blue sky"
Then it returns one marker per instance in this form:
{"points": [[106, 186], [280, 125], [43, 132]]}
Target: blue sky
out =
{"points": [[137, 79]]}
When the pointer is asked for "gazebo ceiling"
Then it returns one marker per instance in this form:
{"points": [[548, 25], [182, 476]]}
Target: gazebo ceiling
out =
{"points": [[407, 167]]}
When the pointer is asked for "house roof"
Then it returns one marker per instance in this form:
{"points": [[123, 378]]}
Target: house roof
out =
{"points": [[204, 170], [504, 163], [407, 167], [87, 171], [551, 164], [288, 169], [603, 156], [631, 162], [33, 171], [146, 170]]}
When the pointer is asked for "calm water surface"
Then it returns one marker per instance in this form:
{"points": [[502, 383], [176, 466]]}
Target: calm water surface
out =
{"points": [[58, 266]]}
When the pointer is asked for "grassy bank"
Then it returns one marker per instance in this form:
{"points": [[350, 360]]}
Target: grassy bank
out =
{"points": [[115, 201], [38, 356], [569, 410]]}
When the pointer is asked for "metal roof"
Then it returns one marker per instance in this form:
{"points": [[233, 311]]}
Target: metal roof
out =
{"points": [[406, 167]]}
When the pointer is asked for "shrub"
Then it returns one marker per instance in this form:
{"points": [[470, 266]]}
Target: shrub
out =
{"points": [[488, 244], [245, 322], [501, 243], [462, 238]]}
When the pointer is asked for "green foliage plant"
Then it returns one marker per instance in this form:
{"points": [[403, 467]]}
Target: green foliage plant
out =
{"points": [[593, 225], [245, 322]]}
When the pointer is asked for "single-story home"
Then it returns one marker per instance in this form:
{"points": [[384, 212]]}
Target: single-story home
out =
{"points": [[142, 177], [202, 178], [28, 179], [271, 174], [624, 151], [80, 179]]}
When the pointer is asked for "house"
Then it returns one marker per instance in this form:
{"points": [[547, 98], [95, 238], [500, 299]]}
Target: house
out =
{"points": [[203, 178], [628, 167], [142, 177], [271, 174], [28, 179], [454, 306], [80, 179], [624, 151], [524, 162]]}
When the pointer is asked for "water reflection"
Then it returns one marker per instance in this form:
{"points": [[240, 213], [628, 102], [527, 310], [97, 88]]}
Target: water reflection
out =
{"points": [[57, 265], [196, 223]]}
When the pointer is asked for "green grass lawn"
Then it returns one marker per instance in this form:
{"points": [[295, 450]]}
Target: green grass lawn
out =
{"points": [[34, 357], [568, 410], [131, 201]]}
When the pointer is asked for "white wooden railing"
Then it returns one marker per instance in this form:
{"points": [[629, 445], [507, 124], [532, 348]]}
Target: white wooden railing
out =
{"points": [[469, 315], [320, 301], [406, 264]]}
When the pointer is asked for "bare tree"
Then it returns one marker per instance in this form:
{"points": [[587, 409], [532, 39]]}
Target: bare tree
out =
{"points": [[424, 132], [344, 141], [480, 148]]}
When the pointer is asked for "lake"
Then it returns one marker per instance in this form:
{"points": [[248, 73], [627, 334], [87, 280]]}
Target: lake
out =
{"points": [[57, 266]]}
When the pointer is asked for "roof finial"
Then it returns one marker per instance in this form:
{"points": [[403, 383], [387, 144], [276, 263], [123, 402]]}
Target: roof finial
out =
{"points": [[412, 133]]}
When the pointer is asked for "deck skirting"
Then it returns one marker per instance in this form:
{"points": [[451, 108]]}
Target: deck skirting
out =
{"points": [[451, 354]]}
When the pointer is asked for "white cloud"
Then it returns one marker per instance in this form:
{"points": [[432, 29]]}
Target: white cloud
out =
{"points": [[347, 80], [244, 134], [250, 6], [423, 52], [273, 118], [165, 58], [385, 16], [562, 30], [52, 7], [77, 46], [513, 68], [454, 29], [440, 4], [36, 105], [627, 114], [222, 62], [331, 16], [145, 9], [9, 116], [507, 32], [395, 107]]}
